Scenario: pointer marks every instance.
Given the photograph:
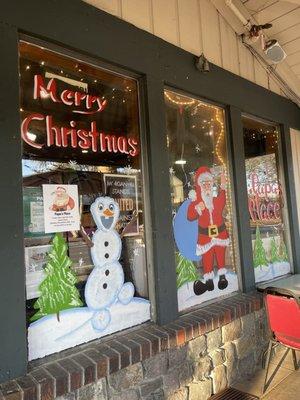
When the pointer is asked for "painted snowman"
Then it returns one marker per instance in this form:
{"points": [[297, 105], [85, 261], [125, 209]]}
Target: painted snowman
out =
{"points": [[105, 285]]}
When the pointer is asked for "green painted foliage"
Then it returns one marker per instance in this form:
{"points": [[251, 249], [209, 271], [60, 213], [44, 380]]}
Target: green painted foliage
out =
{"points": [[185, 270], [58, 290], [283, 255], [259, 253], [274, 252]]}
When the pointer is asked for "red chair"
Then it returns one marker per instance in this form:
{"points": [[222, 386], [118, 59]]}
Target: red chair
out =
{"points": [[283, 313]]}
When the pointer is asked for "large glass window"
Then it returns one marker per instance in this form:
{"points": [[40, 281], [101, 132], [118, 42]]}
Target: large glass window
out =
{"points": [[295, 144], [84, 239], [266, 200], [201, 200]]}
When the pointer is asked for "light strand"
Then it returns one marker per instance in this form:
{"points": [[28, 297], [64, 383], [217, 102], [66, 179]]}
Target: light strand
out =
{"points": [[178, 102]]}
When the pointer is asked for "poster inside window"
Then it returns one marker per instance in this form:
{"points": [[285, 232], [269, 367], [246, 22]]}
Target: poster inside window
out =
{"points": [[85, 257], [200, 180], [266, 200]]}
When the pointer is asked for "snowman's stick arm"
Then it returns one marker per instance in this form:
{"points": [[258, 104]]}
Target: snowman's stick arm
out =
{"points": [[86, 237]]}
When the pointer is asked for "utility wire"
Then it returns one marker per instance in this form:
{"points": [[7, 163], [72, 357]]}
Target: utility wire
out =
{"points": [[287, 90]]}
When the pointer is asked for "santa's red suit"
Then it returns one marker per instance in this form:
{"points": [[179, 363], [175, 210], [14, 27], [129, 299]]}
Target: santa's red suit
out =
{"points": [[212, 234]]}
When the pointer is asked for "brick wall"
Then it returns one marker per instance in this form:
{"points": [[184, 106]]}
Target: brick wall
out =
{"points": [[198, 355]]}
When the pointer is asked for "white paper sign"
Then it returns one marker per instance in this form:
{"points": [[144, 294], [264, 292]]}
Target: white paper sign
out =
{"points": [[61, 208], [36, 217]]}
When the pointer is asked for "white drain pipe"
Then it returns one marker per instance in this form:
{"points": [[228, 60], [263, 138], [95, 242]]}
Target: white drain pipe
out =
{"points": [[238, 14]]}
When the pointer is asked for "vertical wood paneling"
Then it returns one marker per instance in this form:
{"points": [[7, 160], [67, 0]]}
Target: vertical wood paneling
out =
{"points": [[295, 144], [190, 26], [210, 32], [246, 62], [110, 6], [138, 13], [196, 26], [261, 77], [229, 48], [165, 20], [274, 86]]}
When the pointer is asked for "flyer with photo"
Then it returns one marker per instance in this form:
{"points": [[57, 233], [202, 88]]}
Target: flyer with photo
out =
{"points": [[61, 208]]}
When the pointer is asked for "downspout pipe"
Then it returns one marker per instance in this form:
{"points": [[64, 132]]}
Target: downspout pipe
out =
{"points": [[246, 23]]}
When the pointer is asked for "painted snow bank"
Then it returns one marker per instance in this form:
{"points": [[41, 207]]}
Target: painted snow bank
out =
{"points": [[48, 335], [187, 297], [271, 271], [281, 268]]}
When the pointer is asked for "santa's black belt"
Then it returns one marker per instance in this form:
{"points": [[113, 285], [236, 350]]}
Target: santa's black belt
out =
{"points": [[212, 230]]}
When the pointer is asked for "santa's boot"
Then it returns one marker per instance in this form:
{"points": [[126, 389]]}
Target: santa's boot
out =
{"points": [[202, 287], [223, 282]]}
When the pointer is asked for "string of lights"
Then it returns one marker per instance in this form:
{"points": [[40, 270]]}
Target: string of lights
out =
{"points": [[175, 100], [180, 101]]}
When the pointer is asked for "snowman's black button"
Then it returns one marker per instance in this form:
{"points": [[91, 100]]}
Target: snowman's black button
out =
{"points": [[106, 255], [105, 244], [107, 272], [104, 285]]}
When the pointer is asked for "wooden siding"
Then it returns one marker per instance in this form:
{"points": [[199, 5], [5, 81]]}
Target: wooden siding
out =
{"points": [[195, 26]]}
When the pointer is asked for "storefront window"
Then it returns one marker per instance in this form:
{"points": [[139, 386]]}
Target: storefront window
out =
{"points": [[266, 200], [201, 200], [295, 144], [84, 238]]}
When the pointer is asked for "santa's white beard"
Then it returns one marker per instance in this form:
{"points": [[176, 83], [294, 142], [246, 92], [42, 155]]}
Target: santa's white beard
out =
{"points": [[208, 200], [61, 200]]}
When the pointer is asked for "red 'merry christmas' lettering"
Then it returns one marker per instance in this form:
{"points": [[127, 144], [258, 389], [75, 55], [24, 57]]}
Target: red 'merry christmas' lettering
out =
{"points": [[62, 136], [93, 104], [71, 136]]}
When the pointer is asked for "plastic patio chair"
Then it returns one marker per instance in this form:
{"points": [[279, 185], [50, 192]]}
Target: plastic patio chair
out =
{"points": [[283, 313]]}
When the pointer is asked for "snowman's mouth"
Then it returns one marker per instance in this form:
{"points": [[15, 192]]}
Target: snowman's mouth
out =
{"points": [[107, 222]]}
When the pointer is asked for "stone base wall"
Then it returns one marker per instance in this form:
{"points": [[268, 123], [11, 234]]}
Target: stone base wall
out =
{"points": [[201, 367]]}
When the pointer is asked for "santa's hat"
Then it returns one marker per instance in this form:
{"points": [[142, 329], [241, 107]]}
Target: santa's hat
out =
{"points": [[202, 174]]}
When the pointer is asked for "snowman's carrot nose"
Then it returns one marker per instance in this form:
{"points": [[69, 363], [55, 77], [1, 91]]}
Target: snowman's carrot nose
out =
{"points": [[108, 213]]}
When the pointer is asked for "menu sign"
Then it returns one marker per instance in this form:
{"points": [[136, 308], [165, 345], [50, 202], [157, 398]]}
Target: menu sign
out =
{"points": [[264, 190], [123, 189]]}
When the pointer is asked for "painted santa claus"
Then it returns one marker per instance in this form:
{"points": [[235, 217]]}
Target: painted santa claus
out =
{"points": [[62, 200], [213, 238]]}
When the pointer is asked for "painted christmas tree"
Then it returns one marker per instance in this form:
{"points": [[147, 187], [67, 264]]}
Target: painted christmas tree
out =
{"points": [[274, 252], [185, 270], [259, 253], [283, 255], [58, 290]]}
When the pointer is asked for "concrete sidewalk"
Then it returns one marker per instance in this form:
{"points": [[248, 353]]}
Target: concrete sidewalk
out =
{"points": [[284, 386]]}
